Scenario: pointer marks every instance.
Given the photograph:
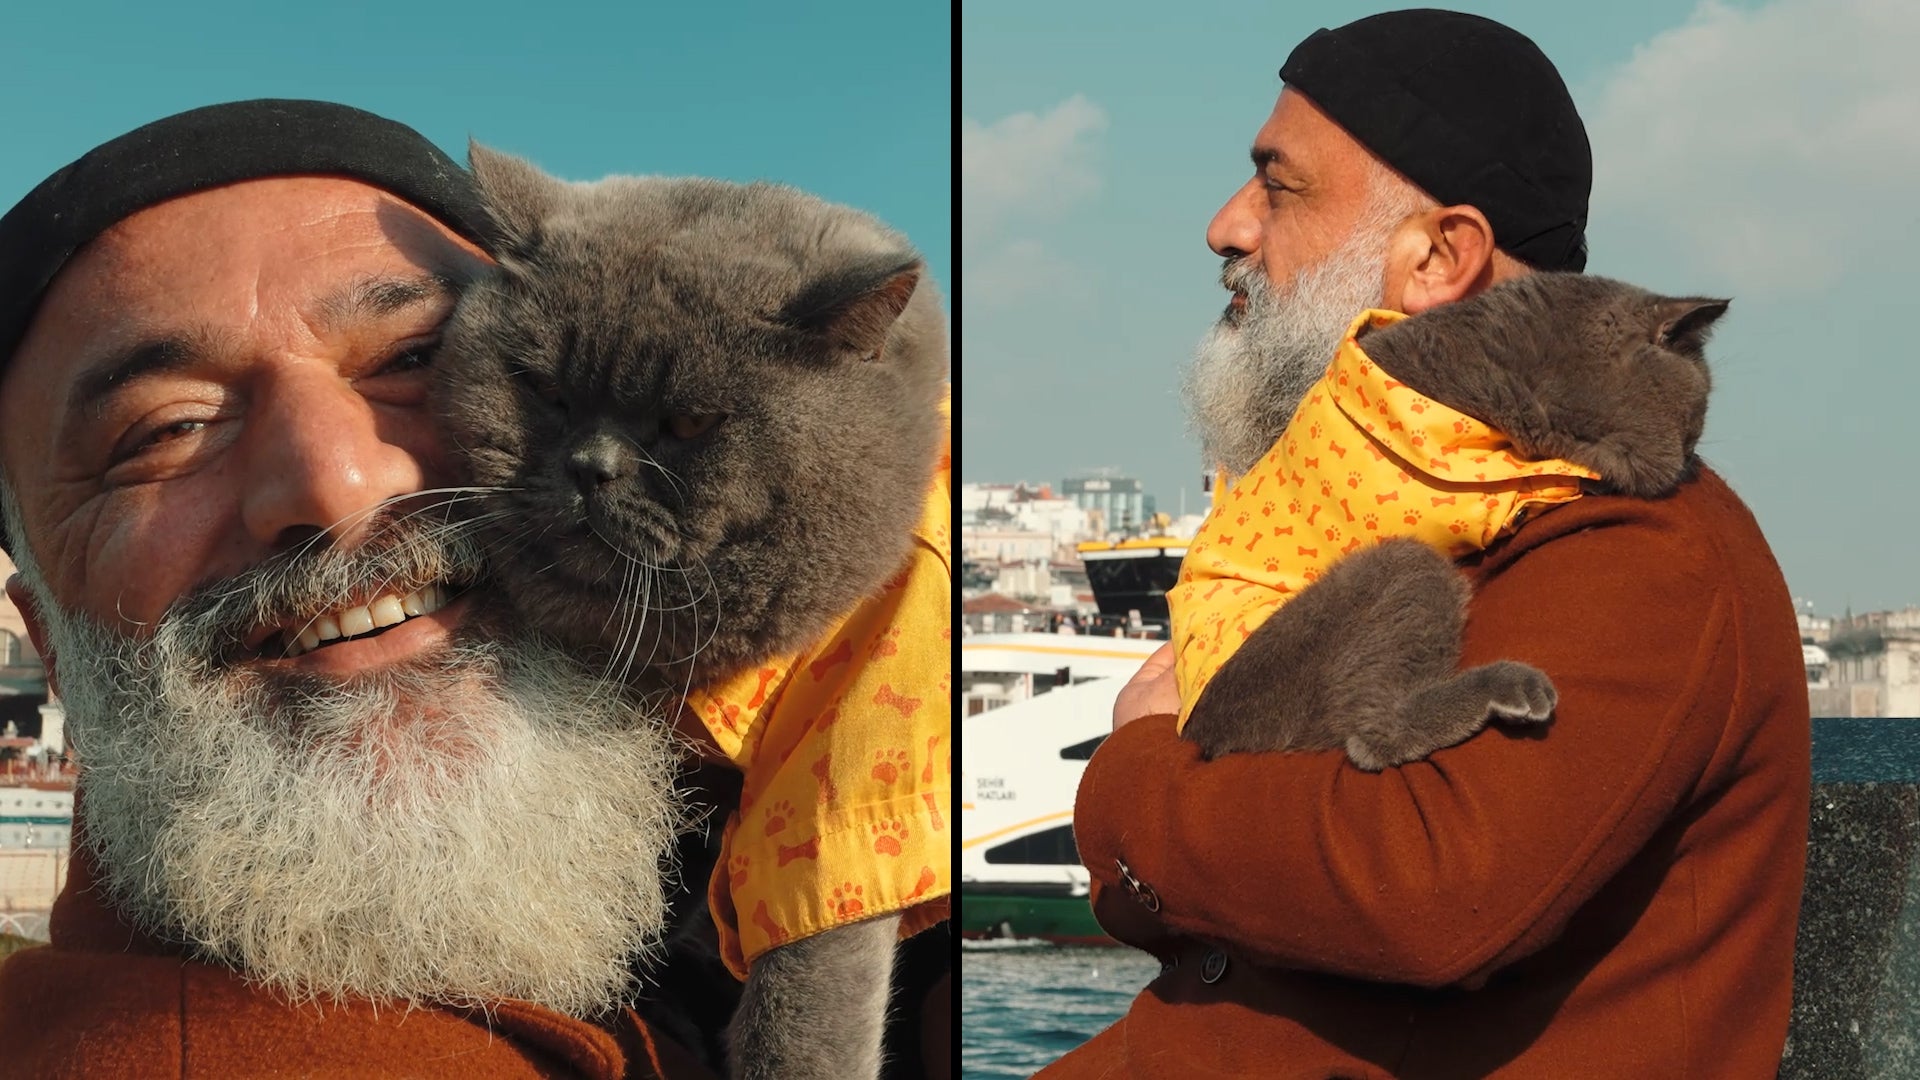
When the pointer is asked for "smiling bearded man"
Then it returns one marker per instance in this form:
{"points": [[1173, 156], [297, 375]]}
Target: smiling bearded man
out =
{"points": [[426, 845], [487, 823]]}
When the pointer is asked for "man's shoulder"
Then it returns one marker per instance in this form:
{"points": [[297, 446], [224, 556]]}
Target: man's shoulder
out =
{"points": [[71, 1012], [1702, 529], [1671, 568]]}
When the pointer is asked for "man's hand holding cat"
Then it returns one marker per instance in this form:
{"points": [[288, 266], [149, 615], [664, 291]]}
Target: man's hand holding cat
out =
{"points": [[1151, 692]]}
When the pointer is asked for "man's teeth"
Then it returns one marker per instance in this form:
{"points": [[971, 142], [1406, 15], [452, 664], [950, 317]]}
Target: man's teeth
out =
{"points": [[387, 610]]}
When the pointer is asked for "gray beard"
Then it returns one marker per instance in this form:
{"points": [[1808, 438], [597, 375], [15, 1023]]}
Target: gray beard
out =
{"points": [[1250, 373], [490, 824]]}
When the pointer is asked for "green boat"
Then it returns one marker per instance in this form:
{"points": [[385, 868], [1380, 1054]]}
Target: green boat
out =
{"points": [[998, 912]]}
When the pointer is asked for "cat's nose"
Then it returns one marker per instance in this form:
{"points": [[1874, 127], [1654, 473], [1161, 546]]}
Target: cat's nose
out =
{"points": [[596, 462]]}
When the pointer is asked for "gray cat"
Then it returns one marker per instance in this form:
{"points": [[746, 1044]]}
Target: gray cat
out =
{"points": [[709, 413], [1584, 369]]}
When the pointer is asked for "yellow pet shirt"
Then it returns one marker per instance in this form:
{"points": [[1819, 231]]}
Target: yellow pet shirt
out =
{"points": [[848, 762], [1364, 459]]}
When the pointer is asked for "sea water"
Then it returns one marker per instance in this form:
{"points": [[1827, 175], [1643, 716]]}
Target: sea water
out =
{"points": [[1024, 1004]]}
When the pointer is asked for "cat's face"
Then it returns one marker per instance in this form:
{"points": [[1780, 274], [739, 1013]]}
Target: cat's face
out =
{"points": [[699, 402]]}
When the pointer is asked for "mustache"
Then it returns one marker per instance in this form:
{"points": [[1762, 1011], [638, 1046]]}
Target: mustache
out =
{"points": [[1243, 274], [399, 552]]}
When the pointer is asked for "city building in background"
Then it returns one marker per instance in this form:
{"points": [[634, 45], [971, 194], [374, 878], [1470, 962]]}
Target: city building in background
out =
{"points": [[36, 782], [1872, 665], [1122, 499]]}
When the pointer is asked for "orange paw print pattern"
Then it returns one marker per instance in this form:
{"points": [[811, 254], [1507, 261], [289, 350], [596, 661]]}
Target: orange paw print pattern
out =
{"points": [[1416, 454], [889, 764], [887, 836], [778, 815], [841, 815], [887, 644], [846, 900]]}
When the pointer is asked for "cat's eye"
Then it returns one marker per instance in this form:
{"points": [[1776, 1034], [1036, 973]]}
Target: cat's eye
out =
{"points": [[691, 425], [540, 386]]}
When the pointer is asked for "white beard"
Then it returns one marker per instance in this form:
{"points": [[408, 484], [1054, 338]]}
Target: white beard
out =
{"points": [[1249, 374], [489, 825]]}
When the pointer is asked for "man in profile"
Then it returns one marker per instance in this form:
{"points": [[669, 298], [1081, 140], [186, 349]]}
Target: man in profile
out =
{"points": [[1617, 898]]}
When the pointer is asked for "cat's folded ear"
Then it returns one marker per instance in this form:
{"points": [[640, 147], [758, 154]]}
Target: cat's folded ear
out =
{"points": [[518, 197], [856, 308], [1685, 323]]}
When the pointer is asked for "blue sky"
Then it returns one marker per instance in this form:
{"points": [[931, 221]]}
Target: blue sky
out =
{"points": [[851, 101], [1765, 151]]}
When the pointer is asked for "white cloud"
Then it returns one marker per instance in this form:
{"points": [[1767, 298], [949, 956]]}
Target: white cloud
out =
{"points": [[1016, 170], [1028, 162], [1769, 145], [1022, 270]]}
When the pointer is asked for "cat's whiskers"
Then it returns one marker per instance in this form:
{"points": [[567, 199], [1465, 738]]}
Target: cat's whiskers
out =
{"points": [[640, 452], [630, 620]]}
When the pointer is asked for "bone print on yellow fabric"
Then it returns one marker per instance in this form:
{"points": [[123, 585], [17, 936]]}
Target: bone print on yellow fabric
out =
{"points": [[1364, 459], [848, 763]]}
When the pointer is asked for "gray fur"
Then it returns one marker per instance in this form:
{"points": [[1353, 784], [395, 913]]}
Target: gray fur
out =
{"points": [[815, 1009], [812, 330], [1580, 368], [810, 327]]}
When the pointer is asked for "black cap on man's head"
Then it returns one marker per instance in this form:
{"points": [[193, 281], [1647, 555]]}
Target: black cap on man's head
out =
{"points": [[1471, 111], [207, 148]]}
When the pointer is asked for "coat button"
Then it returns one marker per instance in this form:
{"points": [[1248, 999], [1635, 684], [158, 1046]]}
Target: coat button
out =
{"points": [[1136, 888], [1214, 967]]}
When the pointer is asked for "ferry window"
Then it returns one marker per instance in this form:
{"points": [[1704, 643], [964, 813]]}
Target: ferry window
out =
{"points": [[1082, 751], [1049, 847]]}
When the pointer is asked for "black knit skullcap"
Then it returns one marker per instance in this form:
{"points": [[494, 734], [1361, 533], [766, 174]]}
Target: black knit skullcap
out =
{"points": [[206, 148], [1471, 111]]}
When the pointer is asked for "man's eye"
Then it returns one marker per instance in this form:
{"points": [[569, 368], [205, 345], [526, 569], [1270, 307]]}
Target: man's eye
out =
{"points": [[173, 431], [135, 445], [412, 358]]}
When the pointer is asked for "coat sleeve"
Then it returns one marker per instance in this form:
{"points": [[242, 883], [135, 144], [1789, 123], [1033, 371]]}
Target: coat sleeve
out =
{"points": [[1442, 871]]}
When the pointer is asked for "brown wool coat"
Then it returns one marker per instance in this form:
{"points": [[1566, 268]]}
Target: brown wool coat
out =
{"points": [[1615, 898], [104, 1003]]}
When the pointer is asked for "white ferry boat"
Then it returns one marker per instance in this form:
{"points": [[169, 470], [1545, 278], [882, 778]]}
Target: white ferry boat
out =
{"points": [[1020, 762], [36, 816]]}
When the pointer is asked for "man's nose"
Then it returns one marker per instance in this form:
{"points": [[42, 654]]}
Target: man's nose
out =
{"points": [[1235, 229], [319, 459]]}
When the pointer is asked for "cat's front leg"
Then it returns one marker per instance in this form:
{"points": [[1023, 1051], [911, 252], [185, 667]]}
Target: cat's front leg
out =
{"points": [[1450, 712], [816, 1009]]}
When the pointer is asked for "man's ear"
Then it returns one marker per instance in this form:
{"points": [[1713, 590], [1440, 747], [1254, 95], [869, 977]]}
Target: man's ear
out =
{"points": [[1437, 257], [36, 630]]}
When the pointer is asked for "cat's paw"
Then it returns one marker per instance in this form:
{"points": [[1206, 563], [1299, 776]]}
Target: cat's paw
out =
{"points": [[1518, 694]]}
